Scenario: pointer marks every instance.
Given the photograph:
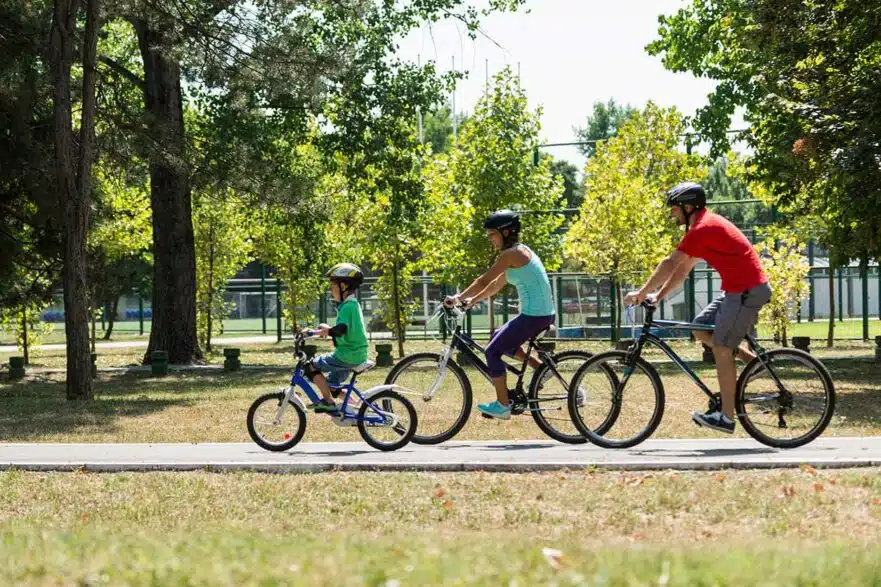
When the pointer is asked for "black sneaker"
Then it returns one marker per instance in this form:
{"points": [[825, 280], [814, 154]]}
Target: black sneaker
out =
{"points": [[323, 407], [714, 420]]}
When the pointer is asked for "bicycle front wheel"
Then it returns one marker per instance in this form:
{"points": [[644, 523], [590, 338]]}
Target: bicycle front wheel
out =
{"points": [[788, 403], [604, 386], [387, 421], [444, 412], [549, 392], [270, 431]]}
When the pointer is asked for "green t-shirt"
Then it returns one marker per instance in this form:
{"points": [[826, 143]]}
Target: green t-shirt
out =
{"points": [[351, 347]]}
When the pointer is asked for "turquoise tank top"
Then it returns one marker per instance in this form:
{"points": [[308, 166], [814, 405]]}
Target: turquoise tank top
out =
{"points": [[533, 287]]}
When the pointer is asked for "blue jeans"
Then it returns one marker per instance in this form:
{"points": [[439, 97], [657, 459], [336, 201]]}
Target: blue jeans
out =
{"points": [[335, 371]]}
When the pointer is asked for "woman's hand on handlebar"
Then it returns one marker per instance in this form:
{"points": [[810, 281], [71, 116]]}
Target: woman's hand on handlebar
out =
{"points": [[451, 301], [634, 298]]}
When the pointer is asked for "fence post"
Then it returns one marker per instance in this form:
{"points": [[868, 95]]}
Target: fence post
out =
{"points": [[709, 287], [840, 296], [278, 306], [864, 281], [613, 309], [559, 280], [263, 296], [443, 323], [140, 314], [811, 306]]}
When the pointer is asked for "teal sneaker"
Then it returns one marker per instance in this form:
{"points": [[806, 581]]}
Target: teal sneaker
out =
{"points": [[495, 410]]}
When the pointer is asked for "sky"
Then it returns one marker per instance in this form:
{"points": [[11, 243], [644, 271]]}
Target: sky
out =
{"points": [[570, 54]]}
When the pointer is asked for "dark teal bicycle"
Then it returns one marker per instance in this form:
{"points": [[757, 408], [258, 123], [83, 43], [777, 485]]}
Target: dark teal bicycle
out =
{"points": [[785, 398]]}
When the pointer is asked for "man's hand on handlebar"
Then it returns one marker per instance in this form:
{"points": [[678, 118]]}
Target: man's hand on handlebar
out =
{"points": [[636, 298]]}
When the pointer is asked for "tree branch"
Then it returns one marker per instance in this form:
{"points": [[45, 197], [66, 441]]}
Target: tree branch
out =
{"points": [[122, 70]]}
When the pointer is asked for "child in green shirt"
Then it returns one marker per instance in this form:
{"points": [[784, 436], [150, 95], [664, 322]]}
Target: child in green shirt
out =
{"points": [[349, 336]]}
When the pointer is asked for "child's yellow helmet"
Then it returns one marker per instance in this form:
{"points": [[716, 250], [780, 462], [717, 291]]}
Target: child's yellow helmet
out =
{"points": [[348, 273]]}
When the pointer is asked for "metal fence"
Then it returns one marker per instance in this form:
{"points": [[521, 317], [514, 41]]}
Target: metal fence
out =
{"points": [[586, 306]]}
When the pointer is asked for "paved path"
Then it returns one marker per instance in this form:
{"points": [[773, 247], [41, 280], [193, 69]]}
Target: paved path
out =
{"points": [[452, 456]]}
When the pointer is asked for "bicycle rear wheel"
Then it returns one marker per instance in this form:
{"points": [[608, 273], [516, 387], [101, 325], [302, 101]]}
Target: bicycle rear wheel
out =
{"points": [[548, 397], [442, 414], [792, 412], [395, 423], [634, 394]]}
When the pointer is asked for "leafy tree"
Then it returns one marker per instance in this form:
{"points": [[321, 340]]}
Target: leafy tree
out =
{"points": [[573, 190], [224, 231], [603, 124], [73, 172], [437, 128], [804, 72], [490, 168], [303, 242], [786, 269], [25, 323], [119, 240], [623, 229], [30, 236]]}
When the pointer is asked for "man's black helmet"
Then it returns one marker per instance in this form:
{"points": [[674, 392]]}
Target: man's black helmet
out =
{"points": [[503, 219], [688, 192]]}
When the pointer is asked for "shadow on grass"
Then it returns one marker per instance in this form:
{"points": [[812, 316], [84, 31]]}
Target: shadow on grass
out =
{"points": [[37, 410]]}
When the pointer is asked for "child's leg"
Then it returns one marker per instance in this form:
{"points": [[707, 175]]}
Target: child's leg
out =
{"points": [[320, 381]]}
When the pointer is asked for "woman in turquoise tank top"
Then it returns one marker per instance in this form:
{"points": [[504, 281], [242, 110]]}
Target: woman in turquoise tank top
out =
{"points": [[518, 265]]}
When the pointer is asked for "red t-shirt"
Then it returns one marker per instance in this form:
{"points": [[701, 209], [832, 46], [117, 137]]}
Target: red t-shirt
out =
{"points": [[718, 242]]}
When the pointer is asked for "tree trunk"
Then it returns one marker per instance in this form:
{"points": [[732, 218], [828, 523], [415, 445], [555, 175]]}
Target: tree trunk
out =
{"points": [[113, 304], [210, 302], [396, 304], [174, 253], [24, 336], [73, 174], [830, 336]]}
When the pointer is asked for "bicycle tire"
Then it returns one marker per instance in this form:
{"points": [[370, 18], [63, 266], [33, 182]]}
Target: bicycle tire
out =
{"points": [[533, 399], [778, 356], [447, 432], [386, 397], [603, 360], [296, 436]]}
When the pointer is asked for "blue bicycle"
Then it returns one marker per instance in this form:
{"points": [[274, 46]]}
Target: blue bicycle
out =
{"points": [[385, 418]]}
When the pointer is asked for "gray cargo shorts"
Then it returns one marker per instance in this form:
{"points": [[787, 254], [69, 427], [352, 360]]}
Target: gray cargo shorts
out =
{"points": [[734, 315]]}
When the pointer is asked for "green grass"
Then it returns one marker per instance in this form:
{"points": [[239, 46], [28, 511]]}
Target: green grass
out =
{"points": [[729, 528], [211, 406]]}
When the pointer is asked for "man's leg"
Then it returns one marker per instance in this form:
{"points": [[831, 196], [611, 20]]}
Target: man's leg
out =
{"points": [[706, 337], [727, 374]]}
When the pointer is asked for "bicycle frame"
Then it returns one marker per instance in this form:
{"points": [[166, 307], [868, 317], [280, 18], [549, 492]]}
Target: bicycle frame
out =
{"points": [[646, 336], [470, 348], [299, 381]]}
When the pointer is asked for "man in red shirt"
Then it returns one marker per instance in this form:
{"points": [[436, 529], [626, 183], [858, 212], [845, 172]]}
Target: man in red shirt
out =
{"points": [[717, 241]]}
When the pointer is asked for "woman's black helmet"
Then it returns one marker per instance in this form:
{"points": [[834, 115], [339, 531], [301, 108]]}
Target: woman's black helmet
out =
{"points": [[687, 192], [505, 220]]}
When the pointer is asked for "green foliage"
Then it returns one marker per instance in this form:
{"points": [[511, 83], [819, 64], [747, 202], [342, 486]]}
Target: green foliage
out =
{"points": [[624, 229], [573, 190], [805, 73], [603, 124], [490, 168], [437, 128], [303, 242], [225, 231], [23, 321], [787, 270]]}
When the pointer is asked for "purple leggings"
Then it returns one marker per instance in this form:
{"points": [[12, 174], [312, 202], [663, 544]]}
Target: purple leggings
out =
{"points": [[509, 337]]}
